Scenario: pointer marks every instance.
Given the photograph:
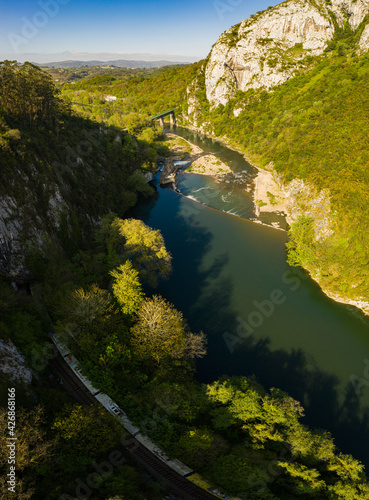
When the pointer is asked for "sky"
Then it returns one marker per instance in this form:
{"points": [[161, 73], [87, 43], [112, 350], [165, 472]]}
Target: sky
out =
{"points": [[52, 30]]}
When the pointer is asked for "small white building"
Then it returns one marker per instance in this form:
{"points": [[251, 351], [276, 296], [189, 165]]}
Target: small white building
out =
{"points": [[109, 98]]}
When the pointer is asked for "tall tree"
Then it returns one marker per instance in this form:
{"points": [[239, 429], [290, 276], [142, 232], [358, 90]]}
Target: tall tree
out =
{"points": [[127, 288], [161, 332], [28, 94], [145, 248], [88, 431], [32, 448]]}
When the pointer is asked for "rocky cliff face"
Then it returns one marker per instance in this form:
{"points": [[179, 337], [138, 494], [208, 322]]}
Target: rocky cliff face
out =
{"points": [[20, 222], [352, 10], [304, 199], [48, 205], [364, 40], [193, 101], [12, 364], [265, 50]]}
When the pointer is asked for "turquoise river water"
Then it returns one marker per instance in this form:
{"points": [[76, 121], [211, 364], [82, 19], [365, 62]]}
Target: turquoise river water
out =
{"points": [[262, 317]]}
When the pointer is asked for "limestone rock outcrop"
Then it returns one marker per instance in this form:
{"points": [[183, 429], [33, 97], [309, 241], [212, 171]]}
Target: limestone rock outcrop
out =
{"points": [[364, 40], [352, 10], [25, 222], [13, 364], [267, 49]]}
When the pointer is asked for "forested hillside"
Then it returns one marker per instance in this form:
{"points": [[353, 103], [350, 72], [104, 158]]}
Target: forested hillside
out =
{"points": [[138, 92], [59, 171], [313, 127], [137, 347], [95, 274], [59, 174]]}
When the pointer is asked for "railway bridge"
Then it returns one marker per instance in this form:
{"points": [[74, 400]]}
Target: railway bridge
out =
{"points": [[162, 115]]}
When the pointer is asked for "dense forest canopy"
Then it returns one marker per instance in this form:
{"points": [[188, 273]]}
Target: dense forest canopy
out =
{"points": [[97, 279], [133, 344], [27, 94], [231, 430], [60, 171]]}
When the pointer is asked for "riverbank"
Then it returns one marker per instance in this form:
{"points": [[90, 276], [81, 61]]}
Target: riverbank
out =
{"points": [[269, 197], [265, 188], [361, 305], [202, 163]]}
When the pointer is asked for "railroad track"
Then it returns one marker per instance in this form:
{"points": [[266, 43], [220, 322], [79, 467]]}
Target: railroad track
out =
{"points": [[72, 385], [156, 467]]}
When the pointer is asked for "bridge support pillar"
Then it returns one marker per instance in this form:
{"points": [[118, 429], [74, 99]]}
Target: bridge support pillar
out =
{"points": [[173, 119], [162, 122]]}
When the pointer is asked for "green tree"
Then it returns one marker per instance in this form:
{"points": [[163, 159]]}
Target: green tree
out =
{"points": [[238, 474], [347, 491], [137, 182], [87, 431], [161, 332], [32, 449], [347, 467], [145, 247], [187, 400], [90, 321], [32, 444], [303, 479], [28, 94], [244, 405], [300, 246], [127, 288], [23, 492], [85, 306], [201, 446], [310, 446]]}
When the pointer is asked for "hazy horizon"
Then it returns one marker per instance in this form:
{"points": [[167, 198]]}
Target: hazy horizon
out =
{"points": [[100, 56], [55, 30]]}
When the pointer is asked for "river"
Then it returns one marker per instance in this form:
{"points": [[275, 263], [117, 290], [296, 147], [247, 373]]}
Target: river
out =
{"points": [[262, 317]]}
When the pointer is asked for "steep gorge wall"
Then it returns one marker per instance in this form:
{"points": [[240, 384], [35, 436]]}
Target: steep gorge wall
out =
{"points": [[353, 11], [25, 225], [267, 49], [263, 52], [50, 201], [303, 199]]}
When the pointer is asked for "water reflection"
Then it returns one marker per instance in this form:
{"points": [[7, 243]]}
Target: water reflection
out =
{"points": [[309, 346]]}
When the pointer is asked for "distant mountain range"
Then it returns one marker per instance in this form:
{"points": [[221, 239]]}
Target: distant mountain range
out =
{"points": [[120, 63]]}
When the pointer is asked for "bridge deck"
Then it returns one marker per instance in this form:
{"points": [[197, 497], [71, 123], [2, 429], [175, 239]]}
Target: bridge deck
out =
{"points": [[162, 115]]}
